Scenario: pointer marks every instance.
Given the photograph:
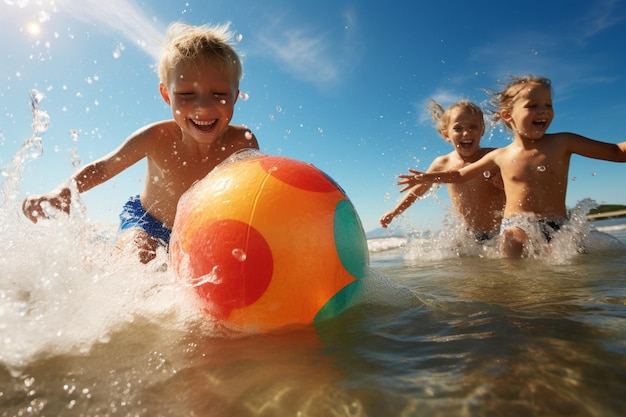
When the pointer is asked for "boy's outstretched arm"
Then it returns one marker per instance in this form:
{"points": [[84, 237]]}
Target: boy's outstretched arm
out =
{"points": [[91, 175], [35, 207]]}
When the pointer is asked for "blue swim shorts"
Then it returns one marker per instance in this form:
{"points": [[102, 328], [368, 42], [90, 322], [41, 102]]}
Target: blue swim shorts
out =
{"points": [[134, 215]]}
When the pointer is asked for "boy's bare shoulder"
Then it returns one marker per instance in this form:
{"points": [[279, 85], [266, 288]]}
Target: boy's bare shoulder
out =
{"points": [[162, 127], [242, 135], [239, 130], [165, 129]]}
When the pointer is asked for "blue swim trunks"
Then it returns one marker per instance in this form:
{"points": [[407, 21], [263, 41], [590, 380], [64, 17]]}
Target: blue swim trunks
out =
{"points": [[134, 215]]}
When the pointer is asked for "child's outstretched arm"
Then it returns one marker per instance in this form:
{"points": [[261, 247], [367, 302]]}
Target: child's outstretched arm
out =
{"points": [[615, 152], [132, 150], [416, 192], [484, 165], [416, 178], [37, 206]]}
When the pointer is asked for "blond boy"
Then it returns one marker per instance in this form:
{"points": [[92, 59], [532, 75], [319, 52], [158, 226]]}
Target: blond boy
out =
{"points": [[199, 74]]}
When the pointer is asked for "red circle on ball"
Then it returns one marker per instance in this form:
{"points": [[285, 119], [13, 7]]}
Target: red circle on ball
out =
{"points": [[231, 265], [298, 174]]}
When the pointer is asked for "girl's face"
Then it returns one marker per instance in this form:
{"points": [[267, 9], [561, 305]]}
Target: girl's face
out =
{"points": [[532, 112], [203, 99], [464, 131]]}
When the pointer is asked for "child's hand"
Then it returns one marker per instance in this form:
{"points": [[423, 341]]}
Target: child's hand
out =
{"points": [[412, 179], [38, 206], [386, 218]]}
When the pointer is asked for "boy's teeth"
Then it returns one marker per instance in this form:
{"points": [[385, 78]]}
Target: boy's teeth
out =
{"points": [[203, 122]]}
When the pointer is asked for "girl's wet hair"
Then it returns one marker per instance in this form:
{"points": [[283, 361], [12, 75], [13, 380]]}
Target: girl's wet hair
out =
{"points": [[506, 98], [441, 116], [186, 43]]}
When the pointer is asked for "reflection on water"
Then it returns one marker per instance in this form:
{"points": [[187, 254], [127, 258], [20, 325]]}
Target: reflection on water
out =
{"points": [[488, 338]]}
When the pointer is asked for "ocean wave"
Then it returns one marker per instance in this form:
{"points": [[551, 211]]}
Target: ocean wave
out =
{"points": [[385, 243], [612, 228]]}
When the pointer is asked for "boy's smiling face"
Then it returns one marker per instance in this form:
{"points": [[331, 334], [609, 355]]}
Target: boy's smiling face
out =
{"points": [[202, 97]]}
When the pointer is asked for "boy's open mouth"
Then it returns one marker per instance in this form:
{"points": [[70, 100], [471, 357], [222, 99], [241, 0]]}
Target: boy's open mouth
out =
{"points": [[204, 125], [540, 123]]}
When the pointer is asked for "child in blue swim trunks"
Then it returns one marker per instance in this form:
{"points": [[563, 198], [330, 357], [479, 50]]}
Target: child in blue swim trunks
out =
{"points": [[199, 74], [134, 215], [534, 167]]}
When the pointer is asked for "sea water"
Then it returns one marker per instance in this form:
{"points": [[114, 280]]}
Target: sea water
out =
{"points": [[447, 328]]}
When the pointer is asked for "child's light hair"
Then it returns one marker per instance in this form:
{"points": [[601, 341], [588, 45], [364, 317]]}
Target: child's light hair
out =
{"points": [[441, 116], [185, 43], [505, 99]]}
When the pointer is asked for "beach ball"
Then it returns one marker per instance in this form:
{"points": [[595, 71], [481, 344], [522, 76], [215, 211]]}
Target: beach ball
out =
{"points": [[268, 241]]}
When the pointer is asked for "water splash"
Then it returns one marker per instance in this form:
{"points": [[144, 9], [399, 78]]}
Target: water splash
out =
{"points": [[31, 149], [41, 120], [76, 161]]}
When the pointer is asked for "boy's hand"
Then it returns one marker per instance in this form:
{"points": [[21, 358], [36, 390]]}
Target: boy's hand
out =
{"points": [[36, 207]]}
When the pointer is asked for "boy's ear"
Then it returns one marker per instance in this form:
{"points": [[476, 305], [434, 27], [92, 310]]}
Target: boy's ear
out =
{"points": [[505, 114], [164, 93]]}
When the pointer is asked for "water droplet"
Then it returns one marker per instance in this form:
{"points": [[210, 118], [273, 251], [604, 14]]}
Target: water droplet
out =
{"points": [[239, 37], [239, 254], [248, 135], [487, 174], [541, 168], [244, 96]]}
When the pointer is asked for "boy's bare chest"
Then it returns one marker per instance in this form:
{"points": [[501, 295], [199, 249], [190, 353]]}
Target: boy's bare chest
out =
{"points": [[181, 172]]}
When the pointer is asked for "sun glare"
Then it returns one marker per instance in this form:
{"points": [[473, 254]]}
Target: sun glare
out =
{"points": [[33, 28]]}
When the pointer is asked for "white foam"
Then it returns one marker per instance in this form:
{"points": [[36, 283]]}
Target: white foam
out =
{"points": [[64, 286]]}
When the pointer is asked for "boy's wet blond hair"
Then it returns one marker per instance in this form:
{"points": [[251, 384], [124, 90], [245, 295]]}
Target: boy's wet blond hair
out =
{"points": [[505, 99], [185, 43], [441, 116]]}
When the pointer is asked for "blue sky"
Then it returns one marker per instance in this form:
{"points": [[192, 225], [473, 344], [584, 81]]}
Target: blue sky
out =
{"points": [[340, 84]]}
